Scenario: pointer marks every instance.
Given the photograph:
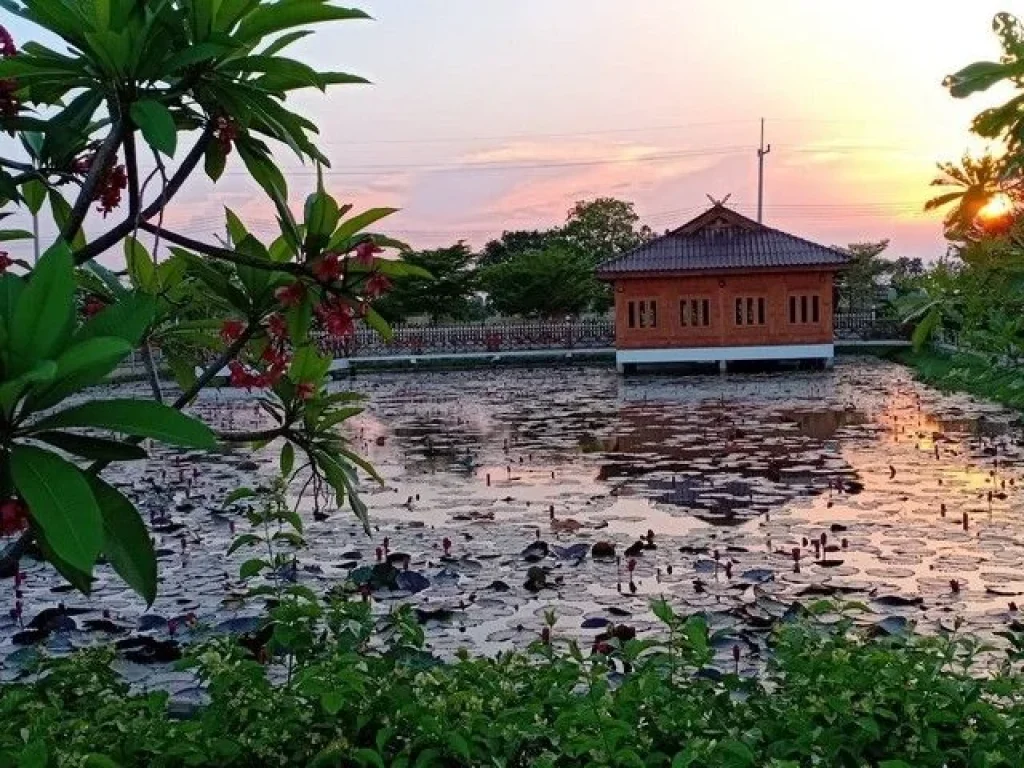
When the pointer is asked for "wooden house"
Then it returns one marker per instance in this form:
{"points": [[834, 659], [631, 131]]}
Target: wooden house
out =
{"points": [[723, 288]]}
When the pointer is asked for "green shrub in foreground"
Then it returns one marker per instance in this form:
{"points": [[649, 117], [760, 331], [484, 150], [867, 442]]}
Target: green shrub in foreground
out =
{"points": [[827, 697]]}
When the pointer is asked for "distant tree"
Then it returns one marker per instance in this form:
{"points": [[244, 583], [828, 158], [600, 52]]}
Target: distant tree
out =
{"points": [[605, 227], [594, 231], [906, 274], [450, 295], [858, 283], [546, 283], [516, 242]]}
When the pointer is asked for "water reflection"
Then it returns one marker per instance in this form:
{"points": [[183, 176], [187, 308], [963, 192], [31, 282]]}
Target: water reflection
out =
{"points": [[823, 424]]}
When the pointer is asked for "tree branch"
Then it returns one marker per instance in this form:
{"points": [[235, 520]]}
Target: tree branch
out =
{"points": [[211, 371], [132, 166], [15, 165], [114, 235], [226, 254], [241, 259], [100, 161], [151, 372]]}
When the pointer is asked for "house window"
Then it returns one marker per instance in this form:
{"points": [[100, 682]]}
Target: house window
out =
{"points": [[751, 310], [649, 314], [694, 313], [804, 309], [643, 314]]}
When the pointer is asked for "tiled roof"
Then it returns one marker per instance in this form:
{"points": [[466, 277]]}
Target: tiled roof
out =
{"points": [[722, 239]]}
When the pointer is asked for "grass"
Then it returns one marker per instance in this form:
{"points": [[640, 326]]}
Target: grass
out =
{"points": [[969, 373]]}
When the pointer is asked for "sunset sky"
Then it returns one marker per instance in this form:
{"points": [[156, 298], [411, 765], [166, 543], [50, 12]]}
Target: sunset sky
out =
{"points": [[495, 115]]}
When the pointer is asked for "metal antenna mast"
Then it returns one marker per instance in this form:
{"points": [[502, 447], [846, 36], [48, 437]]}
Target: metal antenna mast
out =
{"points": [[761, 152]]}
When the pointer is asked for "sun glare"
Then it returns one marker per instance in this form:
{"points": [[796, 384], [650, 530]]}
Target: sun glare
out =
{"points": [[998, 206]]}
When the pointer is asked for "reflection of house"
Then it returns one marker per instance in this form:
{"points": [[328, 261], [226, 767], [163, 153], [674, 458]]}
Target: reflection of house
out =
{"points": [[720, 288]]}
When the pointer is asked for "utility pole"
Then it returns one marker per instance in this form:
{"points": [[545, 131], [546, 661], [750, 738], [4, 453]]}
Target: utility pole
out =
{"points": [[761, 152]]}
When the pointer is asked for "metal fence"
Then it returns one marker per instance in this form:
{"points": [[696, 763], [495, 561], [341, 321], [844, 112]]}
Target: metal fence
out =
{"points": [[521, 336], [475, 338], [868, 326]]}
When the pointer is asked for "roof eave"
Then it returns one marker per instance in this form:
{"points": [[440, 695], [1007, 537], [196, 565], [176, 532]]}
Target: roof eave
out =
{"points": [[609, 275]]}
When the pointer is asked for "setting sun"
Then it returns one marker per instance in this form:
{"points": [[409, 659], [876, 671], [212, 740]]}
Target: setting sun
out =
{"points": [[998, 206]]}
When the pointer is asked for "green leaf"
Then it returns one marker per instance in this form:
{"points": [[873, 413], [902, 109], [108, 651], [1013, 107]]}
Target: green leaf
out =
{"points": [[214, 280], [33, 192], [41, 321], [144, 418], [214, 160], [107, 278], [236, 229], [15, 234], [264, 171], [99, 761], [141, 269], [61, 210], [183, 370], [129, 319], [195, 54], [280, 16], [343, 480], [364, 756], [308, 365], [11, 287], [61, 503], [321, 217], [11, 391], [299, 319], [287, 459], [34, 755], [396, 268], [79, 579], [238, 494], [739, 754], [333, 418], [251, 568], [245, 540], [357, 224], [332, 702], [254, 279], [379, 324], [93, 448], [284, 41], [82, 365], [126, 541], [157, 125], [979, 76]]}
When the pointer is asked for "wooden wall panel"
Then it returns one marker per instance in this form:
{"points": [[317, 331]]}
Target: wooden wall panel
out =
{"points": [[776, 287]]}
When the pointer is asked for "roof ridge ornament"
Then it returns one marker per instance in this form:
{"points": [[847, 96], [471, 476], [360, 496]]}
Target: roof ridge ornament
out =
{"points": [[719, 203]]}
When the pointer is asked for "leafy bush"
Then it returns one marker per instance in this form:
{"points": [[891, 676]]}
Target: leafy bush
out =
{"points": [[828, 696]]}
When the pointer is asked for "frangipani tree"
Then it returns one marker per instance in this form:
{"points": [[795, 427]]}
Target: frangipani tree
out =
{"points": [[184, 83]]}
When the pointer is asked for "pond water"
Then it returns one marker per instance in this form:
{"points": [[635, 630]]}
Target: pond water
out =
{"points": [[750, 494]]}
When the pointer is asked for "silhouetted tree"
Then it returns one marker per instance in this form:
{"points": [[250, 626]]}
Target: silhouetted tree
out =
{"points": [[548, 283], [450, 295]]}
